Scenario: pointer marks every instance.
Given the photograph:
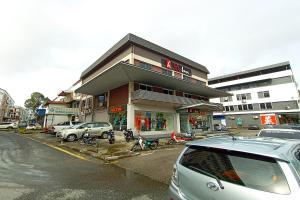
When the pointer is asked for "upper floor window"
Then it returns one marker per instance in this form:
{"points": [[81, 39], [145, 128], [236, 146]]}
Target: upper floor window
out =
{"points": [[187, 95], [226, 99], [168, 91], [145, 87], [246, 96], [265, 106], [263, 94], [245, 107], [229, 108]]}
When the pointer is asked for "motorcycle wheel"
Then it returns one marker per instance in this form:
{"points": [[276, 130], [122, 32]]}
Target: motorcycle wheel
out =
{"points": [[153, 145], [127, 139], [111, 141], [133, 148]]}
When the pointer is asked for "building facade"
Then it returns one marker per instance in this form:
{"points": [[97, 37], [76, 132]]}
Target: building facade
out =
{"points": [[261, 96], [6, 106], [139, 85]]}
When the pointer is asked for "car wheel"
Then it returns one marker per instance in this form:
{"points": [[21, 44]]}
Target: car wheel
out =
{"points": [[10, 128], [71, 138], [104, 135]]}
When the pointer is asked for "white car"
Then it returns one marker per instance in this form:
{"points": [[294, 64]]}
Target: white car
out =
{"points": [[63, 125], [94, 128], [35, 126], [8, 125]]}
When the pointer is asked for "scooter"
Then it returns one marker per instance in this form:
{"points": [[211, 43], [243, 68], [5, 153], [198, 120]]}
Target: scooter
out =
{"points": [[145, 143], [87, 138], [189, 136], [128, 135], [111, 137]]}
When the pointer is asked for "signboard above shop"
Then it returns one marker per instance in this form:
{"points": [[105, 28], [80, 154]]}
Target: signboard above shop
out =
{"points": [[62, 111], [171, 65]]}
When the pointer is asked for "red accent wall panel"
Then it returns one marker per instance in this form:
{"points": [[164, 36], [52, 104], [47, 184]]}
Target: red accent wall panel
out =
{"points": [[118, 96]]}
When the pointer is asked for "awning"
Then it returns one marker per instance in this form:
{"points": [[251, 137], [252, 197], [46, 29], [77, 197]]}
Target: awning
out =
{"points": [[207, 106], [122, 73]]}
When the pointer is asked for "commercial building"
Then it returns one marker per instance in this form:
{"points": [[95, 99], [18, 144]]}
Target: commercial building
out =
{"points": [[139, 85], [6, 105], [261, 96]]}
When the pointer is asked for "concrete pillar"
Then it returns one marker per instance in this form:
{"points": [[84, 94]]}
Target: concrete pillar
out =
{"points": [[130, 107], [177, 122]]}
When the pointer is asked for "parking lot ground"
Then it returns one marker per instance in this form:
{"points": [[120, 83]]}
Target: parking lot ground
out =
{"points": [[155, 164]]}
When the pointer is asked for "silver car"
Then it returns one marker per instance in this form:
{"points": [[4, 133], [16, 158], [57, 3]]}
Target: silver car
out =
{"points": [[232, 168]]}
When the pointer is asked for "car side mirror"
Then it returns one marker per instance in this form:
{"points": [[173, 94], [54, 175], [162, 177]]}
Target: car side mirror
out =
{"points": [[85, 128]]}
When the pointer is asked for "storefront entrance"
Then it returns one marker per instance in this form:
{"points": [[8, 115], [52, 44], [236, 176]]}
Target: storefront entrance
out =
{"points": [[118, 117], [195, 121], [146, 121]]}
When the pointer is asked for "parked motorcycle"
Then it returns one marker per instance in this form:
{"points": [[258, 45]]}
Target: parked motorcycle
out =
{"points": [[111, 137], [143, 144], [189, 136], [128, 135], [88, 139]]}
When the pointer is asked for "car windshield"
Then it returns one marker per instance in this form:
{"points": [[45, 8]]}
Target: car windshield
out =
{"points": [[287, 134], [248, 170]]}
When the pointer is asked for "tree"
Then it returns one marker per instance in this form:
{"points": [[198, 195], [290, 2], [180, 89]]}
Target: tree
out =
{"points": [[36, 99]]}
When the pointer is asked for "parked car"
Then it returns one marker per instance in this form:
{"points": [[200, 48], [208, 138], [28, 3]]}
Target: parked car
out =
{"points": [[220, 127], [63, 125], [34, 126], [94, 128], [280, 133], [8, 125], [225, 168], [253, 127]]}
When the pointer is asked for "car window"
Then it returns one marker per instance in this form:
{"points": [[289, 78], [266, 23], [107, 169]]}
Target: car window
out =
{"points": [[252, 171], [280, 134], [90, 125], [296, 161], [104, 124]]}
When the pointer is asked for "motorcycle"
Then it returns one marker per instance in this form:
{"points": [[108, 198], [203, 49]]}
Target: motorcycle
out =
{"points": [[145, 143], [189, 136], [111, 137], [88, 139], [128, 135]]}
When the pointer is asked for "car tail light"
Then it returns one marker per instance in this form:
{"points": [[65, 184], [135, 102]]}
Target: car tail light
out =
{"points": [[175, 175]]}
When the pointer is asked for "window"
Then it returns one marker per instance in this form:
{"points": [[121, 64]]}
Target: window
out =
{"points": [[263, 94], [231, 108], [145, 87], [226, 108], [240, 107], [226, 99], [245, 107], [167, 91], [243, 96], [247, 170], [265, 106], [187, 95], [269, 105]]}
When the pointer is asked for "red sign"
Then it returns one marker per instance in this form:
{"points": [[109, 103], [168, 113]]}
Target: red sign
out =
{"points": [[116, 109], [268, 119], [168, 64]]}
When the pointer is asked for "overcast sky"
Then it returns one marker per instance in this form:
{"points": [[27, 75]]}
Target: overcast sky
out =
{"points": [[45, 45]]}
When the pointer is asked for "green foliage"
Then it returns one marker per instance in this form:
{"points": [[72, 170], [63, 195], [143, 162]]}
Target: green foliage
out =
{"points": [[36, 99]]}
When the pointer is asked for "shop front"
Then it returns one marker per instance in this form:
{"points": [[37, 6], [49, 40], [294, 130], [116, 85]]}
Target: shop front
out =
{"points": [[118, 117], [195, 120]]}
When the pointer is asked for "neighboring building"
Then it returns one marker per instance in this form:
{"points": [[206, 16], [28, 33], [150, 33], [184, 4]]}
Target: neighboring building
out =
{"points": [[139, 85], [19, 113], [65, 107], [265, 95], [6, 105]]}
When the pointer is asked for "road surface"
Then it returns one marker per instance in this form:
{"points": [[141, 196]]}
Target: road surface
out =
{"points": [[31, 170]]}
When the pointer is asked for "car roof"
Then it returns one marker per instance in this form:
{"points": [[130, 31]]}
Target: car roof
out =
{"points": [[281, 130], [270, 147]]}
